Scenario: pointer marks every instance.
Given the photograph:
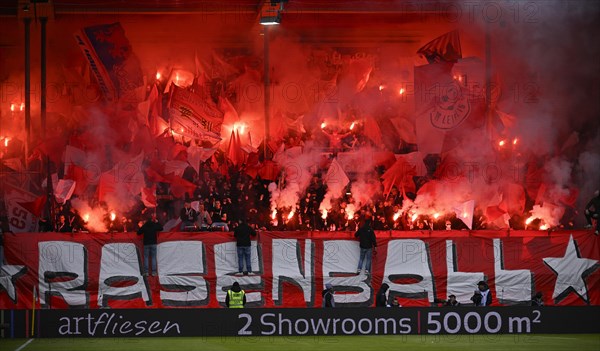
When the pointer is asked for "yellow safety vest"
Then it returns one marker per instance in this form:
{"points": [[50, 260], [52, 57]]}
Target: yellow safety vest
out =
{"points": [[236, 299]]}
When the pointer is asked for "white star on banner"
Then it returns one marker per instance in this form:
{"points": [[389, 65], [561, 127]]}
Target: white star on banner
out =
{"points": [[8, 276], [571, 271]]}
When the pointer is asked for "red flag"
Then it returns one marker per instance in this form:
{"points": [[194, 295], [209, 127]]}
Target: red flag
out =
{"points": [[405, 129], [493, 212], [154, 176], [82, 177], [179, 153], [106, 185], [401, 175], [165, 145], [252, 171], [36, 206], [443, 48], [180, 186], [372, 131], [53, 148], [235, 152], [149, 196], [513, 199], [269, 170], [384, 158], [143, 141]]}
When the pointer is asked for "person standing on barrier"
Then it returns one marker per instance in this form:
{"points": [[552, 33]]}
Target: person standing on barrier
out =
{"points": [[236, 297], [382, 296], [328, 300], [150, 231], [242, 235], [368, 243]]}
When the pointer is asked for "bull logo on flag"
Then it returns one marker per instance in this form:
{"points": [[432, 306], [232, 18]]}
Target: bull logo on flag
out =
{"points": [[451, 109]]}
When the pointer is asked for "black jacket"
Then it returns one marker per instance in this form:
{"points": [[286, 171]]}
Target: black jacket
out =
{"points": [[189, 215], [366, 235], [477, 298], [381, 300], [150, 230], [64, 228], [242, 234], [328, 298], [593, 205]]}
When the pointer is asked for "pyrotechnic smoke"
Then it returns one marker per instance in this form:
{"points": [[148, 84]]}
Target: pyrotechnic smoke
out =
{"points": [[544, 56], [364, 192], [95, 216], [298, 169], [550, 215]]}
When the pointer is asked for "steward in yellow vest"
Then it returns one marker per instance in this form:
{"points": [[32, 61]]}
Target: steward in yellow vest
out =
{"points": [[236, 297]]}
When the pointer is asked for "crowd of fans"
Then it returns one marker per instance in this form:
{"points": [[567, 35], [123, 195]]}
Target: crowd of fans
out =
{"points": [[224, 195], [222, 199]]}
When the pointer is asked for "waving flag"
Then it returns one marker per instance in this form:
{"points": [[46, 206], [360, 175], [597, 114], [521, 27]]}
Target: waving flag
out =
{"points": [[109, 53], [149, 196], [336, 179], [194, 116], [464, 212], [443, 48], [64, 190], [234, 151], [20, 207]]}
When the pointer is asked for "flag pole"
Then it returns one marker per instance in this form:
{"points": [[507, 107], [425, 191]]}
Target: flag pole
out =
{"points": [[27, 23], [43, 103], [488, 79], [266, 89]]}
